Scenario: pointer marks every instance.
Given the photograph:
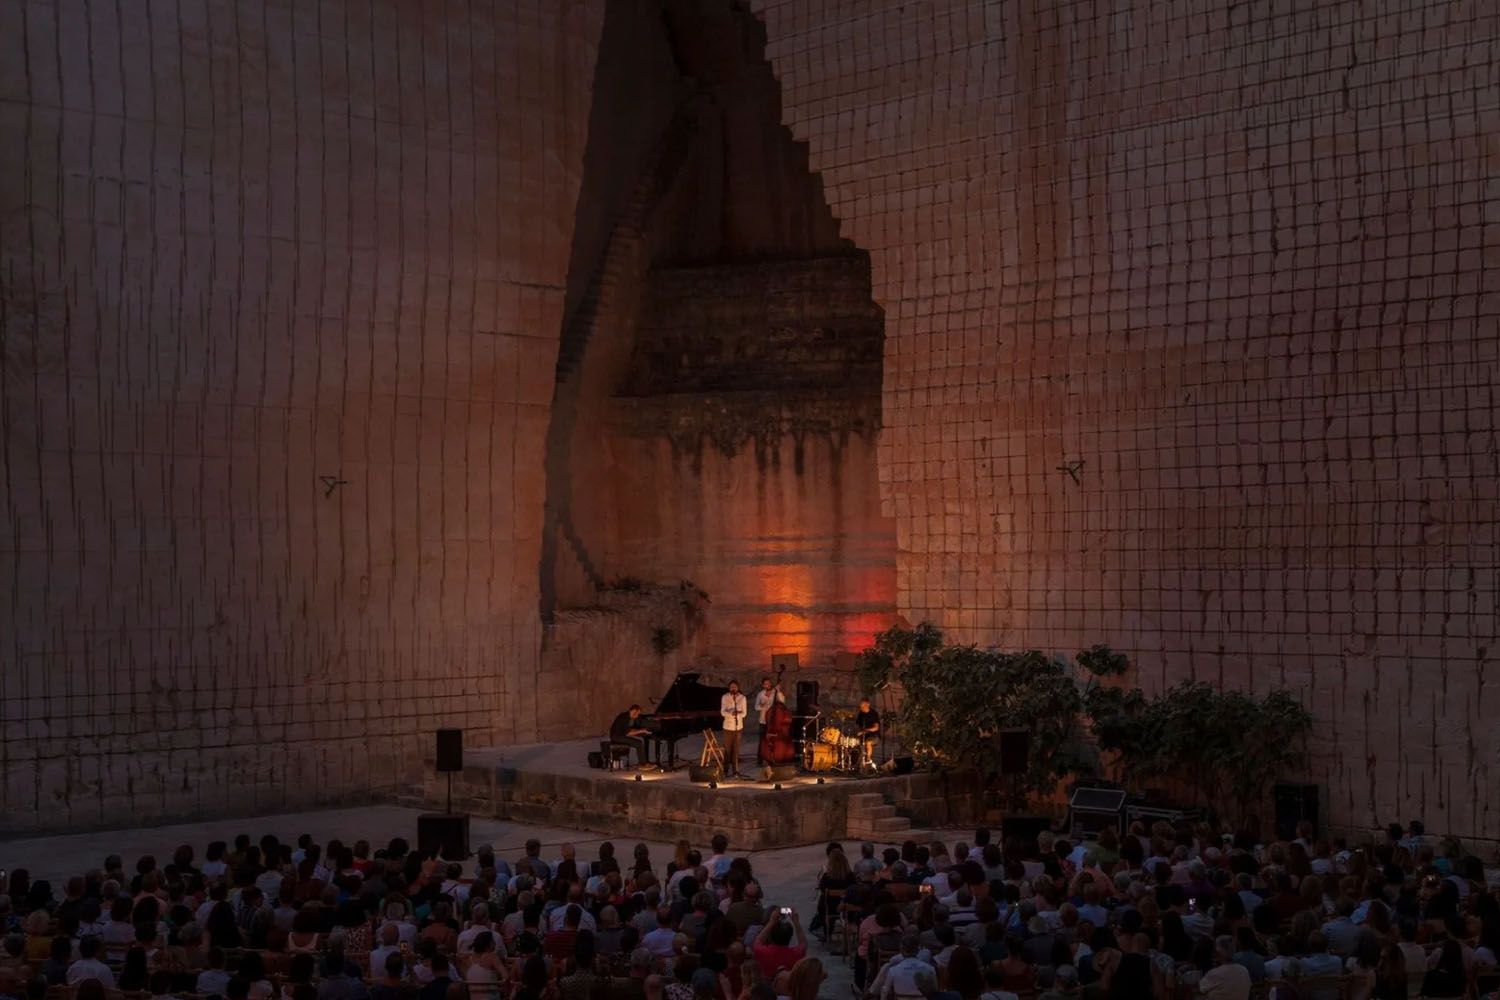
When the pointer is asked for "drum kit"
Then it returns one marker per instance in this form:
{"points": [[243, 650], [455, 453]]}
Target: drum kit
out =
{"points": [[831, 744]]}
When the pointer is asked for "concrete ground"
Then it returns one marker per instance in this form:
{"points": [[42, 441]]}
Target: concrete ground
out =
{"points": [[788, 874]]}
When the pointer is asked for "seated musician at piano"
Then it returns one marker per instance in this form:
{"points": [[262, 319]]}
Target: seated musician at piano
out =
{"points": [[627, 730]]}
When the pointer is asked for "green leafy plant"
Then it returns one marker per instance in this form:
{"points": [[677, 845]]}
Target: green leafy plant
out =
{"points": [[1227, 746], [957, 700]]}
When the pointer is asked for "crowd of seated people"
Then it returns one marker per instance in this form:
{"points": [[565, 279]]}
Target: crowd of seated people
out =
{"points": [[274, 921], [1165, 913]]}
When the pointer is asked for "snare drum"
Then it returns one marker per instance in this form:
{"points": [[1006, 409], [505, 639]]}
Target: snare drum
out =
{"points": [[824, 757]]}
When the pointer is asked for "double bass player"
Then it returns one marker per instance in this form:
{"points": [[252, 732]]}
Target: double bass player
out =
{"points": [[769, 694]]}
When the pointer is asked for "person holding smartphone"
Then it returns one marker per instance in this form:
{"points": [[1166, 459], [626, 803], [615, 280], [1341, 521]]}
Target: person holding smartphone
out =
{"points": [[781, 943]]}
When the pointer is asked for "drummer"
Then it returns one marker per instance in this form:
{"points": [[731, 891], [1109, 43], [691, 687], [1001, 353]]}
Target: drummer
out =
{"points": [[867, 722]]}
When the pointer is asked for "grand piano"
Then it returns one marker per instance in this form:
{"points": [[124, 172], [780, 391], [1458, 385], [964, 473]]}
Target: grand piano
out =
{"points": [[688, 707]]}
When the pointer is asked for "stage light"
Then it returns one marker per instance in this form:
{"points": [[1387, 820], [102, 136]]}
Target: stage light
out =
{"points": [[639, 778], [713, 784], [820, 781], [777, 786]]}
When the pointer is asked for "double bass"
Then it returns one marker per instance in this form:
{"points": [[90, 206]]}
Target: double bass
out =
{"points": [[777, 747]]}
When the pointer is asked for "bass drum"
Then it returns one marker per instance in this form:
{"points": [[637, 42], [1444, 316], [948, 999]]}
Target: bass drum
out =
{"points": [[824, 757]]}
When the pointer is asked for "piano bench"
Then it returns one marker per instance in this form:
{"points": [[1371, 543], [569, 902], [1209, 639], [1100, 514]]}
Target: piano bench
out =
{"points": [[616, 758]]}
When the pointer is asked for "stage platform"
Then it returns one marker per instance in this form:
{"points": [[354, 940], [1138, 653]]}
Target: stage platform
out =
{"points": [[552, 784]]}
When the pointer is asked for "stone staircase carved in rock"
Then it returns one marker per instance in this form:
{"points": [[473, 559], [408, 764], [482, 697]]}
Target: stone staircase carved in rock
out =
{"points": [[872, 817]]}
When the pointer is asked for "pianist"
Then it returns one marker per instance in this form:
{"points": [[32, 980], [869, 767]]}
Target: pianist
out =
{"points": [[627, 730]]}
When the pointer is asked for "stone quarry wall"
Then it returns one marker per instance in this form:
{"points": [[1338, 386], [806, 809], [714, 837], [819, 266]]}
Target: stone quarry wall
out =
{"points": [[280, 292], [1191, 345], [742, 456], [718, 395]]}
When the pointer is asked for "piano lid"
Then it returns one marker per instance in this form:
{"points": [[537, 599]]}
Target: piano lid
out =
{"points": [[688, 694]]}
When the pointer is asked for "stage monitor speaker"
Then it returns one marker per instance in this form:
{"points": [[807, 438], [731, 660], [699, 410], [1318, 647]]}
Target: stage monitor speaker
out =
{"points": [[445, 833], [702, 774], [807, 697], [1024, 828], [784, 661], [902, 765], [1015, 749], [596, 760], [779, 772], [450, 750], [1294, 803]]}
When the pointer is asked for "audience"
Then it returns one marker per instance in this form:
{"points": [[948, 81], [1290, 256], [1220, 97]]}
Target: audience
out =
{"points": [[1163, 912]]}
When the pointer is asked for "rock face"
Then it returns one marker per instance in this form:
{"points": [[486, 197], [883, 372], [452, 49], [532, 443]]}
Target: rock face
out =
{"points": [[281, 286], [1191, 346], [717, 408], [348, 349]]}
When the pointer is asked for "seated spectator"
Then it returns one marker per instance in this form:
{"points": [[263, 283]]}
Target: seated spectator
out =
{"points": [[1227, 980], [213, 978], [487, 972], [390, 944], [252, 971], [1248, 954], [1448, 977], [1342, 932], [436, 988], [559, 944], [1064, 984], [659, 942], [392, 983], [55, 969], [906, 976], [161, 985], [340, 978], [88, 965], [1317, 961]]}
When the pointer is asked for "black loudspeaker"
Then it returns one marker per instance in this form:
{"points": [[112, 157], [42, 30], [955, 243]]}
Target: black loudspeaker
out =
{"points": [[1294, 803], [703, 774], [596, 760], [902, 765], [444, 833], [450, 750], [1024, 828], [807, 697], [1015, 748]]}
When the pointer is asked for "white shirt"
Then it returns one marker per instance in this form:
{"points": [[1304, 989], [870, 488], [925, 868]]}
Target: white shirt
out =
{"points": [[1225, 982], [732, 707], [378, 957], [558, 919], [764, 699], [90, 968], [269, 883], [212, 981], [902, 976], [407, 932]]}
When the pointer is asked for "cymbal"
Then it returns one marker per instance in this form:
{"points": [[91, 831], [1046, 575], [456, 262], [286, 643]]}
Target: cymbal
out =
{"points": [[840, 713]]}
